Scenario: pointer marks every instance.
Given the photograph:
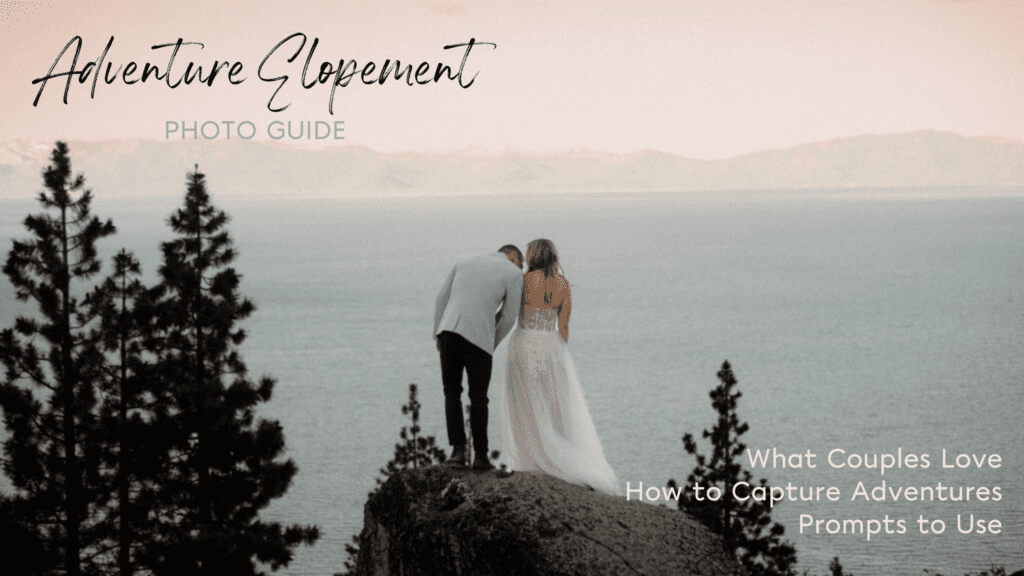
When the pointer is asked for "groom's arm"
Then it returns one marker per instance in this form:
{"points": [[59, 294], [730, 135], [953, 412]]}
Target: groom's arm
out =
{"points": [[442, 300], [565, 309], [509, 309]]}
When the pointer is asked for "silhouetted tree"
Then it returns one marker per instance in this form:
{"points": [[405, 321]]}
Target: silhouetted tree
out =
{"points": [[222, 463], [742, 524], [21, 541], [412, 452], [131, 451], [834, 569], [52, 365]]}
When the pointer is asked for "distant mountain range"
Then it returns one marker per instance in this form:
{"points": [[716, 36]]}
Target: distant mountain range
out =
{"points": [[145, 168]]}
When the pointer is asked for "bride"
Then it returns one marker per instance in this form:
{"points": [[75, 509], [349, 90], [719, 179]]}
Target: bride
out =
{"points": [[543, 416]]}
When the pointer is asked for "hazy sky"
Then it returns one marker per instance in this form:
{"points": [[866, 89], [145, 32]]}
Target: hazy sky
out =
{"points": [[705, 79]]}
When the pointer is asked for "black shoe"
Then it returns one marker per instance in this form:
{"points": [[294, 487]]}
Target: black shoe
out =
{"points": [[458, 457], [482, 463]]}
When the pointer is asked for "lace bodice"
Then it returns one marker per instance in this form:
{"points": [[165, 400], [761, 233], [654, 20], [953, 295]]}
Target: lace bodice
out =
{"points": [[545, 319]]}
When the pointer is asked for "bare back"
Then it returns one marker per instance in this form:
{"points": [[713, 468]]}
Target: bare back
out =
{"points": [[549, 293]]}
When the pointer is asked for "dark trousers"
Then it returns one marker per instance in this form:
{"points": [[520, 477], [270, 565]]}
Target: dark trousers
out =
{"points": [[458, 354]]}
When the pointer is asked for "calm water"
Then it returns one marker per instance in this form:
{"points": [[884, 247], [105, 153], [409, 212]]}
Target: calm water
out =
{"points": [[871, 325]]}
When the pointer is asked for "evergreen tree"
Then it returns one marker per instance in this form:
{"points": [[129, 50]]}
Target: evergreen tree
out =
{"points": [[412, 452], [742, 524], [20, 540], [118, 301], [49, 390], [222, 463], [835, 568]]}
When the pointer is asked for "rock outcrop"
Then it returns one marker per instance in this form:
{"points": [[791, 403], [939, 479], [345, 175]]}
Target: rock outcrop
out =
{"points": [[441, 520]]}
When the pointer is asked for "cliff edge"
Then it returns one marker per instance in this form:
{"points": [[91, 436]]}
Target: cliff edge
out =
{"points": [[441, 520]]}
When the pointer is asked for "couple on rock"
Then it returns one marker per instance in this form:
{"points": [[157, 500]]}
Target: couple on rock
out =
{"points": [[542, 414]]}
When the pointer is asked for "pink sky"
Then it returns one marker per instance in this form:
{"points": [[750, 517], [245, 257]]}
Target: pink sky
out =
{"points": [[704, 79]]}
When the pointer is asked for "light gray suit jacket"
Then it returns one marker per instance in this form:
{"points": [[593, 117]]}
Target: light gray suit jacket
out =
{"points": [[469, 299]]}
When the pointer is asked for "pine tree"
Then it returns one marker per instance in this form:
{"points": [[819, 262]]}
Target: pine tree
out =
{"points": [[48, 394], [412, 452], [118, 301], [741, 524], [20, 540], [222, 463]]}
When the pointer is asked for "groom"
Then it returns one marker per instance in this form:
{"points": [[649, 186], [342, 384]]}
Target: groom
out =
{"points": [[475, 309]]}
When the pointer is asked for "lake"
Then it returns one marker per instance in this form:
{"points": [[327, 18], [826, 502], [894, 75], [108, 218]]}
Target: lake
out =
{"points": [[875, 322]]}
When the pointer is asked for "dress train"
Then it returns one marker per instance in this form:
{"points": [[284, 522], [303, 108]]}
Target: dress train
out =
{"points": [[543, 416]]}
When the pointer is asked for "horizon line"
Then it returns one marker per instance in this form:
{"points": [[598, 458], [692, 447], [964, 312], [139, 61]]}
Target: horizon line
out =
{"points": [[483, 152]]}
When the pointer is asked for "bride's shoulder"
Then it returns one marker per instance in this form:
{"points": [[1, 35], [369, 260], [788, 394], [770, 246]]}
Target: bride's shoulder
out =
{"points": [[534, 277], [559, 287], [560, 281]]}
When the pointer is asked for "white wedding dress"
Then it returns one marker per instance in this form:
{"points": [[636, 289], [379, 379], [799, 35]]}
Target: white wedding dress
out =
{"points": [[543, 417]]}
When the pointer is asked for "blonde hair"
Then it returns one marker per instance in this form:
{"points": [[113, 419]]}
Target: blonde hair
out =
{"points": [[542, 255]]}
